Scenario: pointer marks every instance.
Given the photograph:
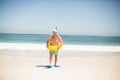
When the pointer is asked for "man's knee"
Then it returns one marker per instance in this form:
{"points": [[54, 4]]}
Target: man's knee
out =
{"points": [[51, 57], [56, 56]]}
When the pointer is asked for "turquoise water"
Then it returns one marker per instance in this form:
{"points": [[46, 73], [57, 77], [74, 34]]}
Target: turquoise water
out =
{"points": [[68, 39]]}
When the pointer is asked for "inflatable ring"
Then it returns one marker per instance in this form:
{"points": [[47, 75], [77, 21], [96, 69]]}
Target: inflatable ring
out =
{"points": [[54, 47]]}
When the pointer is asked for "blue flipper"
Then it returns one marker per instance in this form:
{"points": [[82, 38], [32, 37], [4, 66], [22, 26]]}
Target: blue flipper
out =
{"points": [[48, 66], [56, 65]]}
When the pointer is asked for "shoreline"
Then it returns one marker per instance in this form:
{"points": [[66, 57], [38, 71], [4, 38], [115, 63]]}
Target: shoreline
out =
{"points": [[40, 50], [34, 46]]}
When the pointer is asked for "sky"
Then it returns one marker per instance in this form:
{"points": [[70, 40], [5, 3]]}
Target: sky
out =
{"points": [[72, 17]]}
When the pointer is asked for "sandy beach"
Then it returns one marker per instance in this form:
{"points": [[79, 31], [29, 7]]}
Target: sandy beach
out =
{"points": [[22, 62], [88, 30]]}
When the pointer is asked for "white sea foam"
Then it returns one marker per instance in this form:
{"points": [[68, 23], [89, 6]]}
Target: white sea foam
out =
{"points": [[32, 46], [21, 46]]}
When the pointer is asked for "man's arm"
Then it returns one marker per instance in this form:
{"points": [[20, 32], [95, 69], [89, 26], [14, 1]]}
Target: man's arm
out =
{"points": [[48, 41], [60, 39], [61, 42]]}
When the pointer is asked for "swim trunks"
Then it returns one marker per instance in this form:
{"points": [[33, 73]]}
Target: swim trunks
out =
{"points": [[54, 51]]}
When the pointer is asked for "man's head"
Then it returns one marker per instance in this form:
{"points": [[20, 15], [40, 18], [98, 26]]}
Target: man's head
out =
{"points": [[54, 31]]}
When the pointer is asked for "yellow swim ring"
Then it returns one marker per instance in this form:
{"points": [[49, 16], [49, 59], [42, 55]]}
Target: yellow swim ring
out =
{"points": [[54, 47]]}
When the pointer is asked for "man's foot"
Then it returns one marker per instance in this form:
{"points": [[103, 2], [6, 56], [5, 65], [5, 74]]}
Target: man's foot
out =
{"points": [[56, 65], [48, 66]]}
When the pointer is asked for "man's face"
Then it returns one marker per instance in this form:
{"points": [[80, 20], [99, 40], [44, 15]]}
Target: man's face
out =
{"points": [[54, 32]]}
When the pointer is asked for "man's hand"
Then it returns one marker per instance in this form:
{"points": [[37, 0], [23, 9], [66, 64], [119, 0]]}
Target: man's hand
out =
{"points": [[58, 46]]}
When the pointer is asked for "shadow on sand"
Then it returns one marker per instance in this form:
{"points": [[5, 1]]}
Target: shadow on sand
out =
{"points": [[44, 66]]}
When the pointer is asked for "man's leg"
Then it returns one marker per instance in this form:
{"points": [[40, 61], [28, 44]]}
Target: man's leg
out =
{"points": [[50, 58], [56, 59]]}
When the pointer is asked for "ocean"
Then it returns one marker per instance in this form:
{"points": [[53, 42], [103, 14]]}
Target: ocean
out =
{"points": [[67, 39]]}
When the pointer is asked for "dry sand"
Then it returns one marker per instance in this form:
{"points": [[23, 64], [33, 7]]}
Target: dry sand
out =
{"points": [[72, 68]]}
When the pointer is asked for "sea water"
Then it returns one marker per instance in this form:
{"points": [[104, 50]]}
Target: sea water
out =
{"points": [[67, 39]]}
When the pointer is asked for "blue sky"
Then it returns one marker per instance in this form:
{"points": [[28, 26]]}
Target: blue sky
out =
{"points": [[78, 17]]}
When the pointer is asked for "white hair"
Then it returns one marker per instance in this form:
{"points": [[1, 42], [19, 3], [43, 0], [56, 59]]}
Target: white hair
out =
{"points": [[54, 30]]}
